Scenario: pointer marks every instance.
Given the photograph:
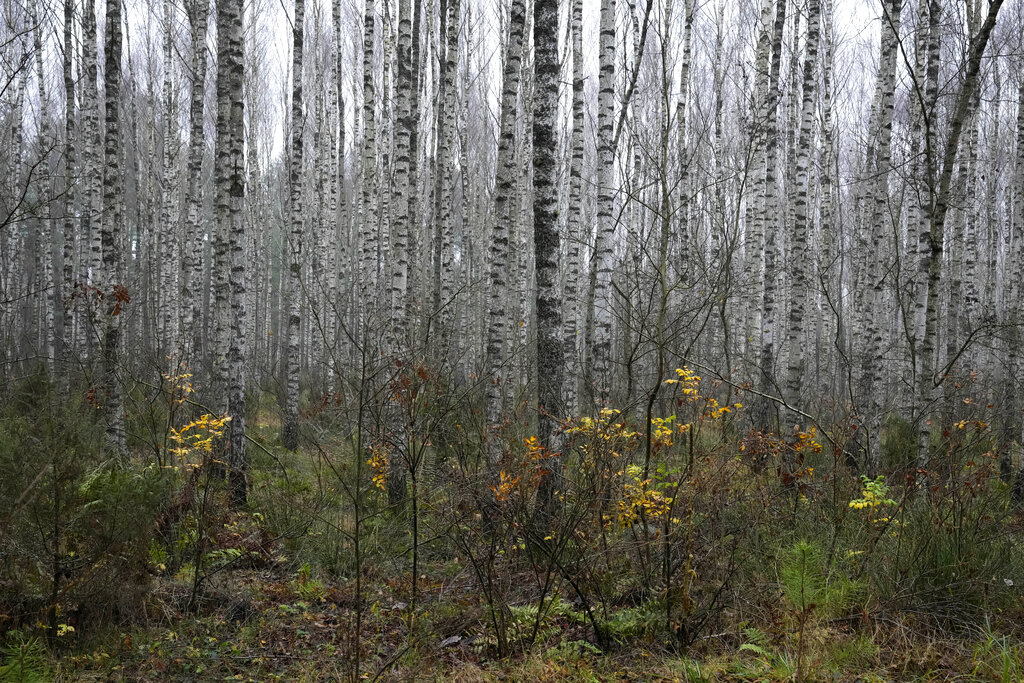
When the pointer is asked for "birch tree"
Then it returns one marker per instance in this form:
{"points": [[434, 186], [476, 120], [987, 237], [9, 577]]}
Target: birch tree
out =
{"points": [[229, 176], [927, 302], [168, 252], [45, 192], [869, 317], [772, 207], [1012, 314], [547, 242], [574, 226], [754, 217], [800, 258], [497, 269], [69, 317], [192, 247], [404, 179], [116, 296], [445, 233], [600, 346], [367, 220], [290, 429]]}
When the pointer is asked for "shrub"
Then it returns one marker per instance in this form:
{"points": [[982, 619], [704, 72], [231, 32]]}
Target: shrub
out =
{"points": [[74, 540]]}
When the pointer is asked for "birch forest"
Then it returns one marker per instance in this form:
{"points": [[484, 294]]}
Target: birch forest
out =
{"points": [[472, 340]]}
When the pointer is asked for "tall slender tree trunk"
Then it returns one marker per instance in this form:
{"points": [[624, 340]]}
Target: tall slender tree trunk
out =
{"points": [[869, 328], [754, 214], [445, 266], [340, 213], [604, 245], [497, 323], [938, 205], [1012, 418], [923, 340], [973, 214], [414, 242], [290, 429], [800, 256], [685, 237], [168, 261], [192, 251], [829, 323], [44, 247], [403, 179], [725, 228], [386, 145], [766, 417], [547, 246], [520, 239], [574, 224], [13, 250], [406, 87], [368, 219], [115, 293], [70, 317], [229, 176], [316, 271], [92, 173]]}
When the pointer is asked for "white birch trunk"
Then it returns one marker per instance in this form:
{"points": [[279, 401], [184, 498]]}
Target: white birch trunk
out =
{"points": [[368, 219], [44, 248], [168, 248], [91, 125], [574, 223], [497, 277], [547, 246], [604, 246], [192, 242], [800, 256], [70, 310], [446, 169], [754, 214], [290, 429], [115, 293], [1014, 288], [229, 176]]}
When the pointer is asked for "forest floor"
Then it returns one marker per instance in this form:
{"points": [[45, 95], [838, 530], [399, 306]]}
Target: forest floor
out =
{"points": [[276, 601], [262, 620]]}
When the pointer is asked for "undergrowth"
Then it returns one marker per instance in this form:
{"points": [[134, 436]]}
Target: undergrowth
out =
{"points": [[685, 546]]}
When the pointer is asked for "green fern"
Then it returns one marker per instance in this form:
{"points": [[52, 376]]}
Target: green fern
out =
{"points": [[642, 621], [756, 643], [569, 650], [216, 559], [523, 619], [779, 664]]}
